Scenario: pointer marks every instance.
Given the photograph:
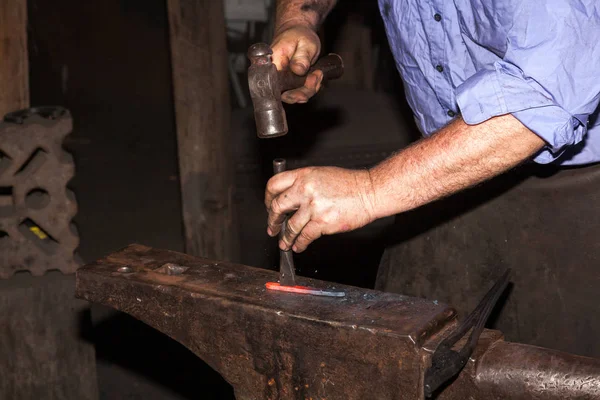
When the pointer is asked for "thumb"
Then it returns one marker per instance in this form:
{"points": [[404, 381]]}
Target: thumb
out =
{"points": [[302, 58]]}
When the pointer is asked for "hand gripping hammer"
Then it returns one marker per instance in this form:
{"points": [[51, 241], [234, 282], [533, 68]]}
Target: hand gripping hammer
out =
{"points": [[266, 84]]}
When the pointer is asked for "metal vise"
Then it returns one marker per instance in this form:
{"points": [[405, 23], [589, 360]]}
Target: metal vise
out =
{"points": [[367, 345], [266, 84]]}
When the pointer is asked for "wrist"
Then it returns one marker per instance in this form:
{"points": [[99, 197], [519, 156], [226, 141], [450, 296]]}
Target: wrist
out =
{"points": [[385, 179], [294, 23], [367, 195], [305, 13]]}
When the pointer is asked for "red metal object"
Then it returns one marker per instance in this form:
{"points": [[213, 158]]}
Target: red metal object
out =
{"points": [[304, 290]]}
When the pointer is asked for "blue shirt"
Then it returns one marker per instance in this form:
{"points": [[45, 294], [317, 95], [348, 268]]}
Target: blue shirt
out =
{"points": [[538, 60]]}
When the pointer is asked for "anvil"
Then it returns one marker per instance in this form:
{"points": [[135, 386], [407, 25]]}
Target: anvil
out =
{"points": [[273, 345]]}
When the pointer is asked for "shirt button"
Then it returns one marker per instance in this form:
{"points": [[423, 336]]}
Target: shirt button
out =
{"points": [[451, 113], [437, 17], [439, 68], [386, 9]]}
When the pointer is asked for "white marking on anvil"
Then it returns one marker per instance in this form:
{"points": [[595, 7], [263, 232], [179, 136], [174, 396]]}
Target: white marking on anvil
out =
{"points": [[138, 299], [340, 324], [325, 380], [428, 350], [368, 329]]}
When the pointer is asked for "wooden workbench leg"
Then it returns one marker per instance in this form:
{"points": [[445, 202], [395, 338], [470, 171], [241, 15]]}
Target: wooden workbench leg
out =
{"points": [[202, 111], [14, 65]]}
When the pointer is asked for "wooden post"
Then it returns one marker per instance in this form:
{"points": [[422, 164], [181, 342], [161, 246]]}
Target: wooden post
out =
{"points": [[14, 65], [202, 111]]}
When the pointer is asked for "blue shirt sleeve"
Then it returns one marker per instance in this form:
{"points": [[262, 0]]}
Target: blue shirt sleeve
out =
{"points": [[549, 77]]}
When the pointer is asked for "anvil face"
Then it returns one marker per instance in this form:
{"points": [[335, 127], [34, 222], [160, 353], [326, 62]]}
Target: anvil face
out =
{"points": [[274, 345]]}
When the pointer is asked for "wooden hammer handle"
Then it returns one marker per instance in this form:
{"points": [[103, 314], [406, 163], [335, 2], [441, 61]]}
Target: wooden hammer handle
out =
{"points": [[331, 65]]}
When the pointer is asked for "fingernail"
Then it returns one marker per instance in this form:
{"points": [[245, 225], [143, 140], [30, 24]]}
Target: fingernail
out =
{"points": [[282, 246], [295, 248], [269, 231]]}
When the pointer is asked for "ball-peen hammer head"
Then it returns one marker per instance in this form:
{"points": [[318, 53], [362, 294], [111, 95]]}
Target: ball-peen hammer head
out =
{"points": [[266, 84], [265, 91]]}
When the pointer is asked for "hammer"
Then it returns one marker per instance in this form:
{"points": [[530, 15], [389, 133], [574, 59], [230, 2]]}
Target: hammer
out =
{"points": [[267, 83]]}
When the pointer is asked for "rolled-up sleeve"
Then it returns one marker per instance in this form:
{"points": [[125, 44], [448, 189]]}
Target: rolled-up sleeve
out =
{"points": [[548, 78]]}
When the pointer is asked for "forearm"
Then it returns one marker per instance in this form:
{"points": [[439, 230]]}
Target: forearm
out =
{"points": [[455, 158], [304, 12]]}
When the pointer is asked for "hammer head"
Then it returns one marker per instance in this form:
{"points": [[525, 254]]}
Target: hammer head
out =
{"points": [[265, 91]]}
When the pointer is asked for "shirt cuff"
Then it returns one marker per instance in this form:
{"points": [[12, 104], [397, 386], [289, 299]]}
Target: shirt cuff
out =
{"points": [[501, 89]]}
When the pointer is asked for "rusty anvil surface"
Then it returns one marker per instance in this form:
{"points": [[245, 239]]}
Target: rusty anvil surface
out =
{"points": [[272, 345]]}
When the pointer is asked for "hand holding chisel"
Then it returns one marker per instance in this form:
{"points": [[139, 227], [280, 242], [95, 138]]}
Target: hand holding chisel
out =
{"points": [[287, 271], [286, 259]]}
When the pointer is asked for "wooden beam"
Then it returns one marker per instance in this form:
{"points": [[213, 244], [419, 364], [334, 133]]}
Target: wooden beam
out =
{"points": [[202, 112], [14, 65], [45, 355]]}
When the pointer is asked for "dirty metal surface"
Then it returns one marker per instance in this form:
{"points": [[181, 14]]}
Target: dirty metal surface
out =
{"points": [[272, 345], [515, 371], [542, 373], [36, 208]]}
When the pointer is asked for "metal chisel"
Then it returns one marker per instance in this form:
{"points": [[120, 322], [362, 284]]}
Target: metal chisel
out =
{"points": [[287, 270]]}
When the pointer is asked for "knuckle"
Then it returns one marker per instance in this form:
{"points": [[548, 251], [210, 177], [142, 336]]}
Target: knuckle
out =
{"points": [[275, 206], [319, 208], [329, 217], [291, 230], [306, 235], [270, 186], [307, 187]]}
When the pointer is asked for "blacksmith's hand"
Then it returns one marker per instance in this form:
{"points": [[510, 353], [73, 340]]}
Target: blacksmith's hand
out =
{"points": [[297, 47], [323, 200]]}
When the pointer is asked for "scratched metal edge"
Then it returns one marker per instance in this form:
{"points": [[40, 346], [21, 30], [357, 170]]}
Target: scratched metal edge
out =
{"points": [[421, 335]]}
